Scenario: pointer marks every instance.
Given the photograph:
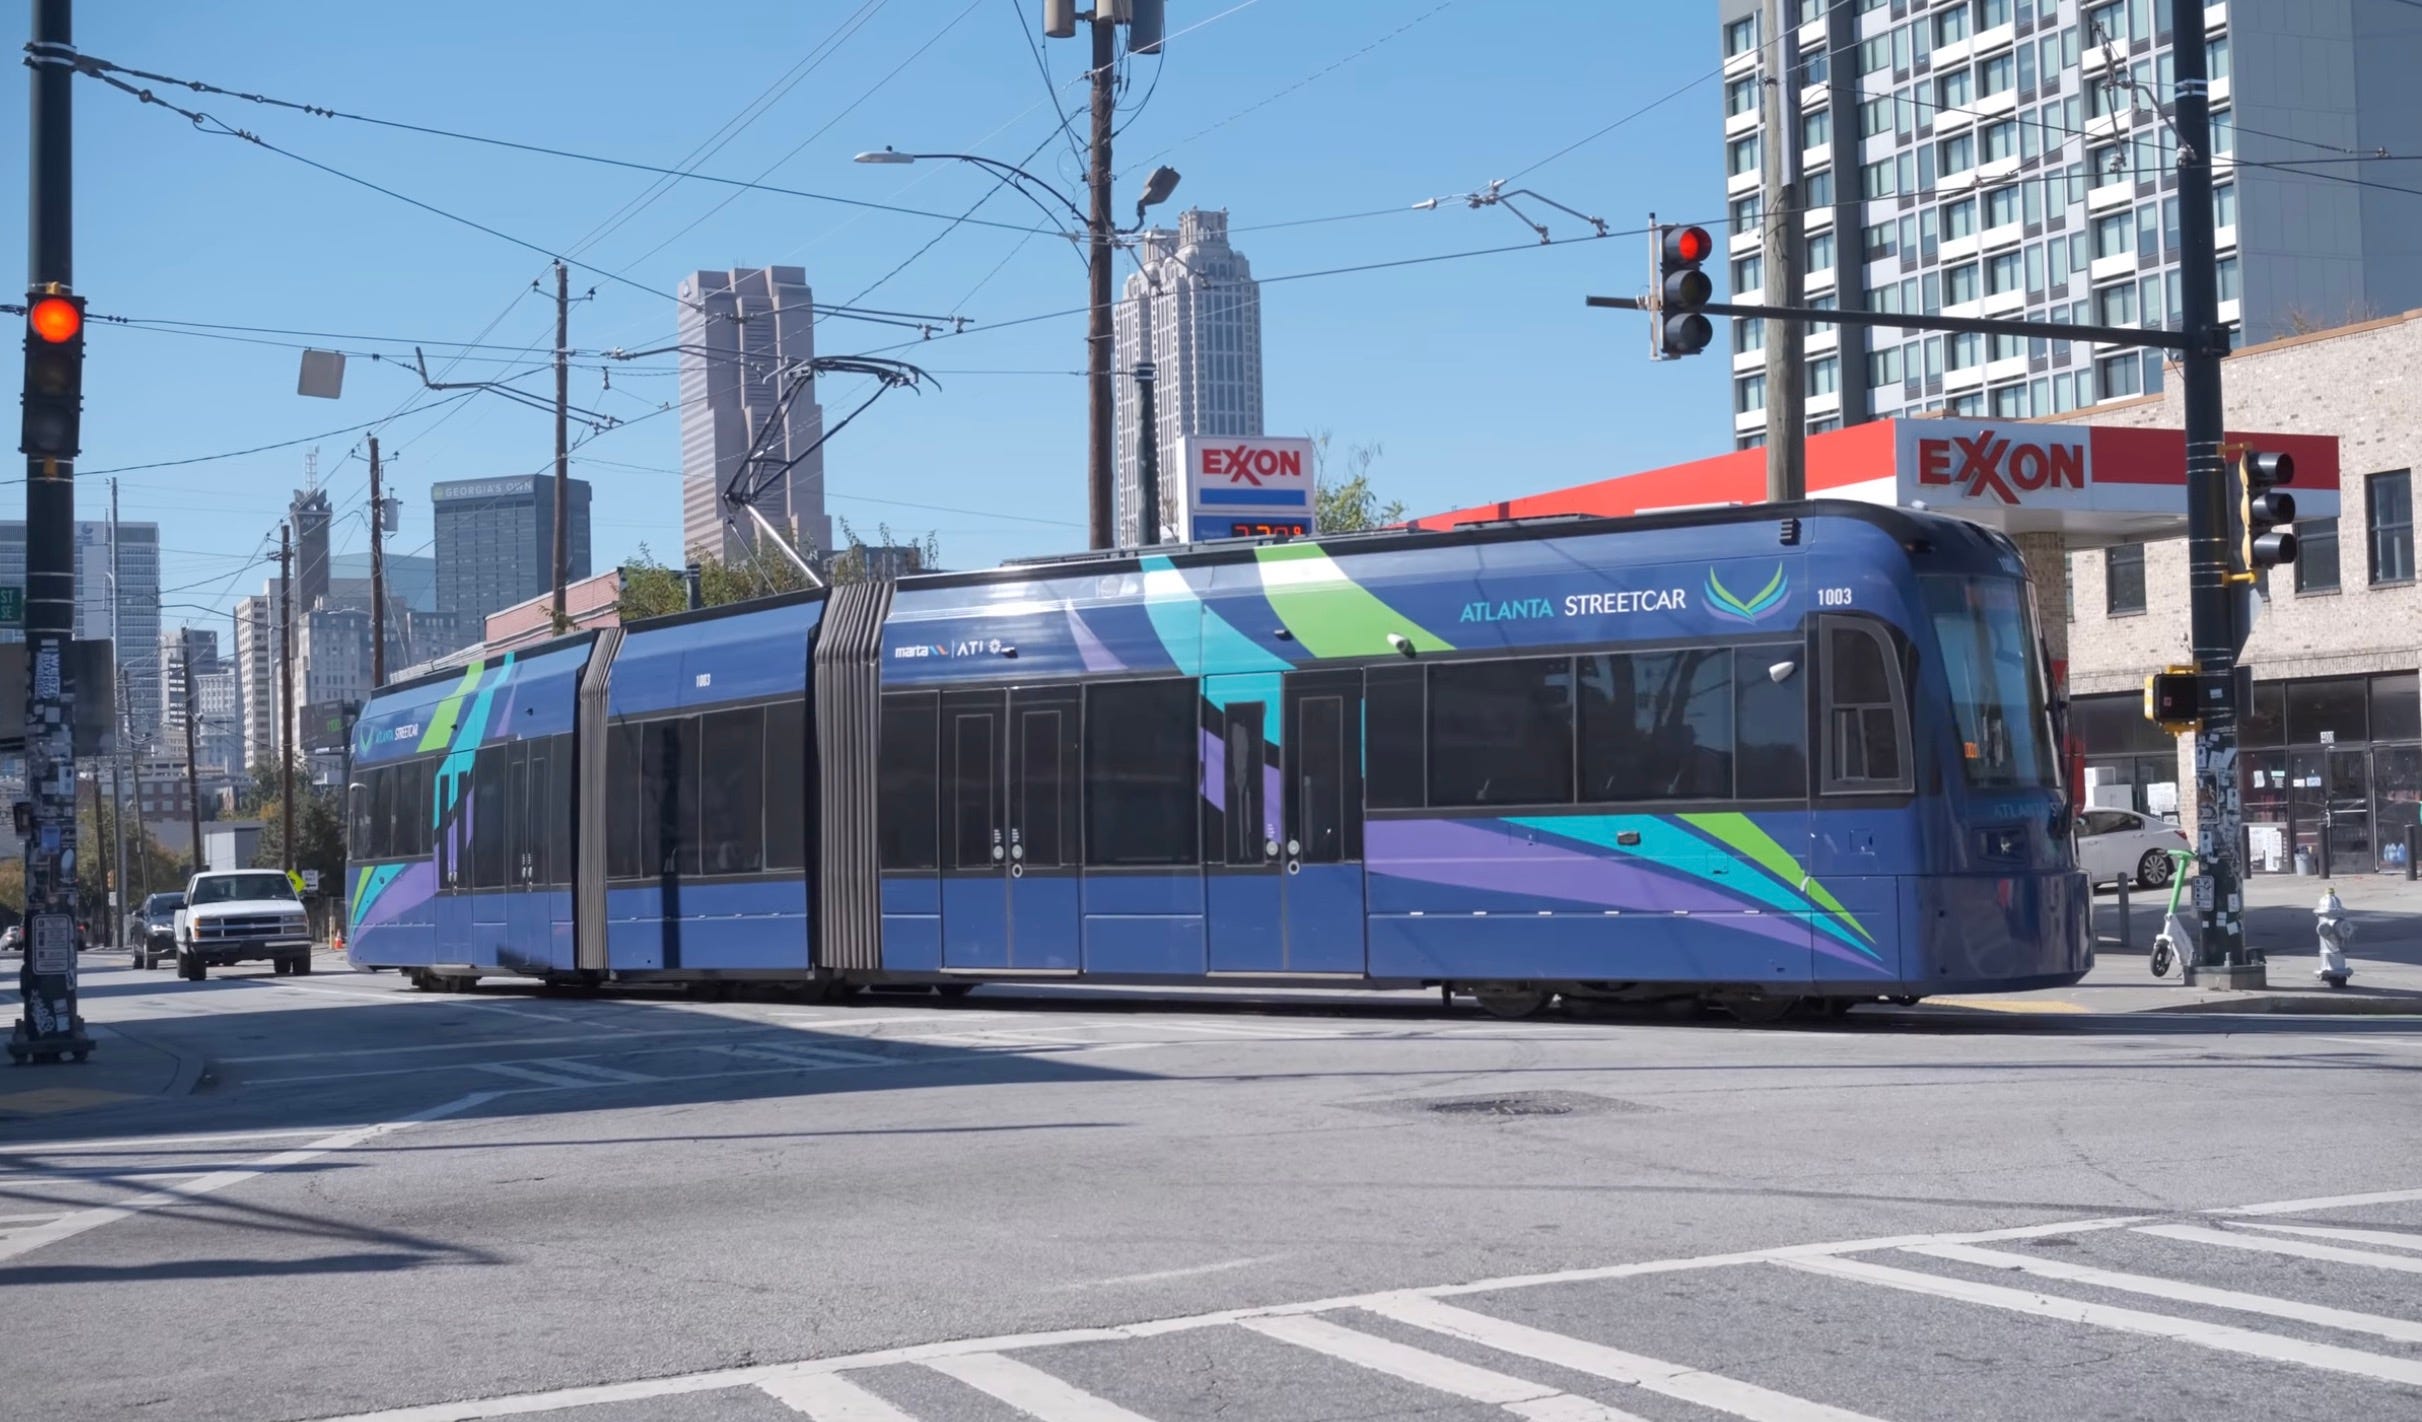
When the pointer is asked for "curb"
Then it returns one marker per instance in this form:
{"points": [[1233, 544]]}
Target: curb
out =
{"points": [[2300, 1004], [189, 1068]]}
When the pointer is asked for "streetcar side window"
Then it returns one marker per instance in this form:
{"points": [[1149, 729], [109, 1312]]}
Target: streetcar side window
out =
{"points": [[1141, 760], [1501, 733], [625, 803], [1393, 737], [1770, 721], [731, 802], [1866, 724], [907, 823], [488, 819], [1657, 725], [786, 785]]}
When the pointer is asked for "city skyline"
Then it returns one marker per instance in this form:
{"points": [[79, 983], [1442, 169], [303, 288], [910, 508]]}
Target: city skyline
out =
{"points": [[745, 336], [1192, 308]]}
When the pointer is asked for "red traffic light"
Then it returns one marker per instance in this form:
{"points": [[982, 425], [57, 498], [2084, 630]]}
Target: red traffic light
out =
{"points": [[1688, 244], [55, 319]]}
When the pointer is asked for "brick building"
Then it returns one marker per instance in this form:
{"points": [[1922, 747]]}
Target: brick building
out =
{"points": [[2332, 749]]}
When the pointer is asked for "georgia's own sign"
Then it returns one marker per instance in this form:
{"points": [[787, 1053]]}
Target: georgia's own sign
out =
{"points": [[2017, 465]]}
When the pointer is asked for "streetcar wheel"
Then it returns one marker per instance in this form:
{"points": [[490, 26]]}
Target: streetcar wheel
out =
{"points": [[1905, 1000], [1836, 1006], [423, 981], [1511, 1001], [2154, 870], [1760, 1011], [954, 989]]}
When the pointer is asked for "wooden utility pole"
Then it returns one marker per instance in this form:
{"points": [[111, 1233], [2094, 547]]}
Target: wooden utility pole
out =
{"points": [[286, 736], [193, 794], [563, 449], [378, 575]]}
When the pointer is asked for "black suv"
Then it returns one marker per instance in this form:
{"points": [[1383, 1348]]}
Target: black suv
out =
{"points": [[158, 941]]}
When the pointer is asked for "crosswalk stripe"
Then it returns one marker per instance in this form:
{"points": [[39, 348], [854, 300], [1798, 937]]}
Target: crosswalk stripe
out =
{"points": [[2323, 1202], [592, 1069], [1030, 1390], [2331, 1253], [2391, 1239], [1582, 1356], [1426, 1369], [524, 1072], [2218, 1336], [829, 1397], [803, 1056], [2177, 1291]]}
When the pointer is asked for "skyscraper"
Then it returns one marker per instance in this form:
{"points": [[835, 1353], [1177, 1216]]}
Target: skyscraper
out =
{"points": [[309, 516], [134, 573], [1193, 309], [2010, 158], [496, 540], [744, 334]]}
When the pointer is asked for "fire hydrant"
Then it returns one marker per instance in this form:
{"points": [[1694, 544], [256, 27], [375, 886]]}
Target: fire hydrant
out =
{"points": [[2335, 931]]}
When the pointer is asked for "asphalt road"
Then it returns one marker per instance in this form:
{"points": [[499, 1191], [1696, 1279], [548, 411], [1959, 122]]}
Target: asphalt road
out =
{"points": [[1069, 1207]]}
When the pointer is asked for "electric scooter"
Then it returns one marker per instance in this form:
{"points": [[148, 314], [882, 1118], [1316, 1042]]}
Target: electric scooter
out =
{"points": [[2170, 944]]}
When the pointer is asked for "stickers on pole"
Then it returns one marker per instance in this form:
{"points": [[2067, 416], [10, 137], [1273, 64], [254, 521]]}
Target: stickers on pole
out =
{"points": [[54, 944]]}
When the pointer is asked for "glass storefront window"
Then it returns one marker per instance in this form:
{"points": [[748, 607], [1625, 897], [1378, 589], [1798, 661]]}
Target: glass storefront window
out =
{"points": [[2397, 708], [2333, 709], [2265, 722]]}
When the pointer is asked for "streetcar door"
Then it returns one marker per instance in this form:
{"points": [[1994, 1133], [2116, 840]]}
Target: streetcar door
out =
{"points": [[530, 911], [975, 829], [1243, 803], [491, 834], [1321, 850], [1043, 842], [452, 817]]}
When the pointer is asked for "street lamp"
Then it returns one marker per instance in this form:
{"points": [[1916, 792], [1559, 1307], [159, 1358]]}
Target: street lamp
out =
{"points": [[1100, 234]]}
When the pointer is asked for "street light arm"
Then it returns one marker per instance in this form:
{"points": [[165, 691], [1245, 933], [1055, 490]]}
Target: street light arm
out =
{"points": [[1007, 171]]}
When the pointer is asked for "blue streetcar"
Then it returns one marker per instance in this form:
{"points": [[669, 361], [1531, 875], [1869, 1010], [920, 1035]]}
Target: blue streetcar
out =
{"points": [[1762, 756]]}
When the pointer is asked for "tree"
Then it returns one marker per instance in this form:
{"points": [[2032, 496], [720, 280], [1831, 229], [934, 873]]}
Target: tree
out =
{"points": [[650, 589], [1349, 504], [857, 561], [319, 831]]}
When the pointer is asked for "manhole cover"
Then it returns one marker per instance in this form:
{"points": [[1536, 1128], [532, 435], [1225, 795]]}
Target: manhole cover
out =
{"points": [[1502, 1106], [1506, 1106]]}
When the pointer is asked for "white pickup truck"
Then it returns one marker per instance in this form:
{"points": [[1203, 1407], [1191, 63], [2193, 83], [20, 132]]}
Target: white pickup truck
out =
{"points": [[241, 915]]}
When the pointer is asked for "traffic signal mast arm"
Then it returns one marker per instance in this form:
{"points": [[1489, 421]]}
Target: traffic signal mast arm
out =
{"points": [[1981, 325]]}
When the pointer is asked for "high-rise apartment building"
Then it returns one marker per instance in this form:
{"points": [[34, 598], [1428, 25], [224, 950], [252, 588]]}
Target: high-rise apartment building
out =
{"points": [[1193, 309], [2011, 158], [133, 576], [496, 540], [745, 336], [258, 640]]}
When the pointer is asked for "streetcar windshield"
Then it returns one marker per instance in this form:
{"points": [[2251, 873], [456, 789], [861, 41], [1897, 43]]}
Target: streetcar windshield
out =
{"points": [[1987, 634]]}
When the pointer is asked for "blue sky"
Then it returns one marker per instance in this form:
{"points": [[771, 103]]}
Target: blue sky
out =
{"points": [[1483, 377]]}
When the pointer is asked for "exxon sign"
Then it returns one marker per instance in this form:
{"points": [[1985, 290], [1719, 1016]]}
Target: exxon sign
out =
{"points": [[1239, 475], [2015, 466]]}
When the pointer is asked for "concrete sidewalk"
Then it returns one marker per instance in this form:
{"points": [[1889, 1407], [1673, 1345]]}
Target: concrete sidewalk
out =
{"points": [[123, 1067], [2387, 956]]}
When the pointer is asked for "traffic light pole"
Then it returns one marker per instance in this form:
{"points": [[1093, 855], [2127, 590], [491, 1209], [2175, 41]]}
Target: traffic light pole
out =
{"points": [[50, 1027], [2221, 959], [1779, 209]]}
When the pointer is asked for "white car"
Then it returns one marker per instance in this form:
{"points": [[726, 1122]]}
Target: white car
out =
{"points": [[241, 915], [2122, 844]]}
